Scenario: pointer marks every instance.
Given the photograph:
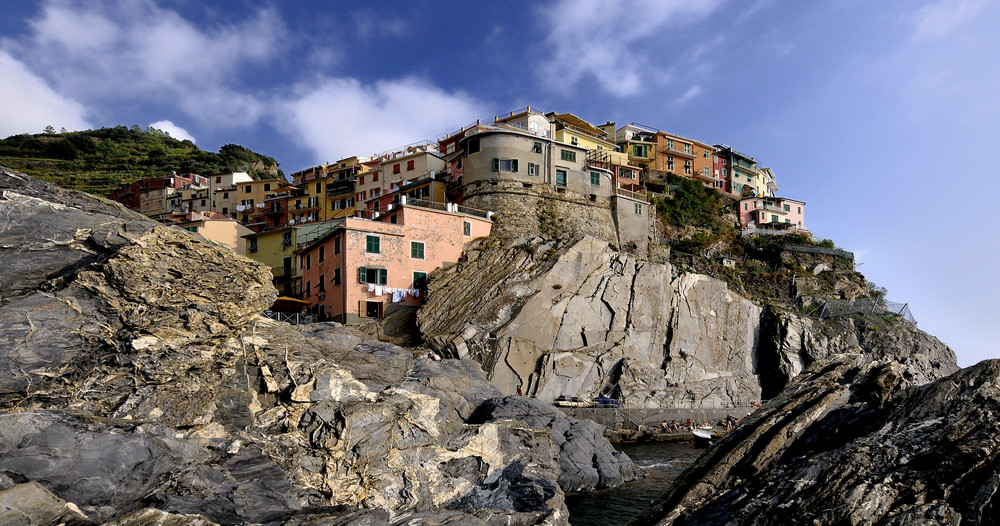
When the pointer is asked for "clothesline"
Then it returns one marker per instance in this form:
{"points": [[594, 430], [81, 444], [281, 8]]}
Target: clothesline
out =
{"points": [[397, 294]]}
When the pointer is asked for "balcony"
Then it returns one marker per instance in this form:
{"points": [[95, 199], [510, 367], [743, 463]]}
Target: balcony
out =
{"points": [[679, 152], [707, 177], [773, 209], [305, 206], [340, 187]]}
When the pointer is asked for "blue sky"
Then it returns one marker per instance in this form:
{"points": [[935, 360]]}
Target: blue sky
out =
{"points": [[881, 116]]}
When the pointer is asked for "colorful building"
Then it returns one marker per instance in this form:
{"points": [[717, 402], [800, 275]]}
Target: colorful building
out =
{"points": [[772, 213], [215, 226], [639, 143], [362, 268], [570, 129]]}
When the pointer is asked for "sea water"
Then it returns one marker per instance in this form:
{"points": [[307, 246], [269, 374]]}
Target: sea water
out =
{"points": [[662, 462]]}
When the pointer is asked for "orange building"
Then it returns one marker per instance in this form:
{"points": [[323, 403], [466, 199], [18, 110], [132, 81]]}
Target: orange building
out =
{"points": [[363, 268], [686, 158]]}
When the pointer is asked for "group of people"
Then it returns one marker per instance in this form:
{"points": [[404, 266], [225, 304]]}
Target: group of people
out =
{"points": [[673, 427]]}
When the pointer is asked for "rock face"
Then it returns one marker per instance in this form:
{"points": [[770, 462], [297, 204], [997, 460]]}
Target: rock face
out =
{"points": [[586, 459], [138, 384], [853, 442], [575, 317]]}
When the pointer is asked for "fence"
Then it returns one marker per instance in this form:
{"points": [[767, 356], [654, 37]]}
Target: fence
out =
{"points": [[832, 308], [294, 318]]}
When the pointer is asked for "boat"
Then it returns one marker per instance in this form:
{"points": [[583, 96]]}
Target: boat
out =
{"points": [[702, 437]]}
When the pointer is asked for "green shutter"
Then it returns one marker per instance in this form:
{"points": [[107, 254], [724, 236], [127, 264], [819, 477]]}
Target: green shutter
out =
{"points": [[383, 276], [362, 275], [496, 164], [513, 165]]}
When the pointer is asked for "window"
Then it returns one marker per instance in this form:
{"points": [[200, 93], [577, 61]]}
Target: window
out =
{"points": [[409, 165], [532, 169], [706, 154], [561, 177], [372, 244], [705, 171], [336, 277], [504, 165], [595, 178], [225, 195], [322, 283], [567, 155], [687, 167], [286, 239], [638, 209], [800, 209], [361, 179], [573, 140], [723, 172], [687, 148], [774, 218], [246, 189], [322, 254], [638, 150], [218, 179], [417, 249], [319, 188], [376, 275], [267, 187], [746, 206], [670, 144], [375, 177], [419, 280], [670, 163], [308, 289], [308, 258], [536, 147], [472, 146], [336, 245], [788, 208], [395, 168], [466, 228]]}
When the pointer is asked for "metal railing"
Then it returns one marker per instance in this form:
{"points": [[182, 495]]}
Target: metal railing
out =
{"points": [[294, 318]]}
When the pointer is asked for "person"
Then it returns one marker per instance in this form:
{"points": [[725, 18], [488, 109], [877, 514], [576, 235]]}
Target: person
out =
{"points": [[664, 427], [518, 389], [688, 424]]}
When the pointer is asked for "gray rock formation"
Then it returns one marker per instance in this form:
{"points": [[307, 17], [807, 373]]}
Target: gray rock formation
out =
{"points": [[579, 318], [853, 442], [585, 457], [139, 385]]}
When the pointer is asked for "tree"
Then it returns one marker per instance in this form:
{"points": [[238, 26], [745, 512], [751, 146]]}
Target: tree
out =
{"points": [[49, 130]]}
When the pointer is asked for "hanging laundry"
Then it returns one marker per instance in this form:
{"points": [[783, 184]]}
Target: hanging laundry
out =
{"points": [[378, 290], [397, 296], [371, 287]]}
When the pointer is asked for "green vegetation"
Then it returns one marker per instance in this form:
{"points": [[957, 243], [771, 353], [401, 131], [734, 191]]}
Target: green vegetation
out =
{"points": [[692, 204], [99, 161]]}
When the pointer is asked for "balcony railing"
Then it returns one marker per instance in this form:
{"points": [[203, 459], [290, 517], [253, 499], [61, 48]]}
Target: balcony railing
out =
{"points": [[636, 195], [680, 153]]}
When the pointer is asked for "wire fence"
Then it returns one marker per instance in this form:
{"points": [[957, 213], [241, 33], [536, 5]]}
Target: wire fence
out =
{"points": [[831, 308]]}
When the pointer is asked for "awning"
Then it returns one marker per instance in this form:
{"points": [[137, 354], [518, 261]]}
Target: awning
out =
{"points": [[285, 303]]}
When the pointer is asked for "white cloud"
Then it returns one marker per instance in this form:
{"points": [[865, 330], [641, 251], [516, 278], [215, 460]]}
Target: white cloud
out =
{"points": [[174, 130], [340, 117], [105, 52], [620, 43], [691, 93], [942, 17], [28, 104]]}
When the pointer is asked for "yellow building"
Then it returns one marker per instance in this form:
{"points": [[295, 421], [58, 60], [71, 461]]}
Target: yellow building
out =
{"points": [[218, 228], [570, 129], [250, 197], [276, 249]]}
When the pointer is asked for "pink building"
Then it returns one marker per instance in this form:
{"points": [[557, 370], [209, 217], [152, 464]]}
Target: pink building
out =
{"points": [[772, 213], [363, 268]]}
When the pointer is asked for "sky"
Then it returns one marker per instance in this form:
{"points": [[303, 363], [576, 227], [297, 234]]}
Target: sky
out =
{"points": [[876, 114]]}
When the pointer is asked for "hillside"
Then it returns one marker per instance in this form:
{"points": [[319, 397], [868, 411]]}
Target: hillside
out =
{"points": [[99, 161]]}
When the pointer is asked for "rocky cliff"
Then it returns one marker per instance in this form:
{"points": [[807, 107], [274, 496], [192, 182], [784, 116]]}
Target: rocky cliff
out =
{"points": [[138, 385], [573, 316], [853, 441]]}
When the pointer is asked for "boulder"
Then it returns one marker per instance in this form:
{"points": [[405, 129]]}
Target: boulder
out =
{"points": [[587, 460], [853, 441]]}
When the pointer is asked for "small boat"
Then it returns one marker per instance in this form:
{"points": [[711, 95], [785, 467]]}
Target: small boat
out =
{"points": [[702, 437]]}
